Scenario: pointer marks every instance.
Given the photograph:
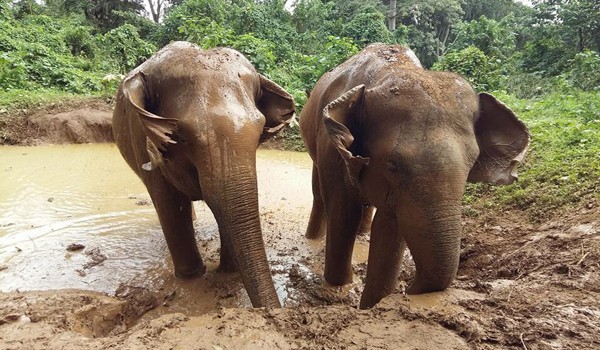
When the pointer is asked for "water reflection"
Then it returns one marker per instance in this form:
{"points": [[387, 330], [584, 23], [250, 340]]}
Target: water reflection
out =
{"points": [[52, 196]]}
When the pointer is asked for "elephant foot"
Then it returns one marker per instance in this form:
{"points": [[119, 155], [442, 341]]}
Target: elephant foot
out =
{"points": [[314, 234], [332, 294], [200, 270], [227, 267], [419, 286]]}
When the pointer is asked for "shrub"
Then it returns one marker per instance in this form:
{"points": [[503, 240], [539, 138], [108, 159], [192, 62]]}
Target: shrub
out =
{"points": [[124, 45], [585, 70], [474, 65]]}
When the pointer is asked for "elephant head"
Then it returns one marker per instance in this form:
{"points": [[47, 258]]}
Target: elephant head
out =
{"points": [[188, 122], [406, 141]]}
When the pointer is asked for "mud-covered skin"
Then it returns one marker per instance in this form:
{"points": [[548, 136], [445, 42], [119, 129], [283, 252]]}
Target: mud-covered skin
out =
{"points": [[188, 122], [383, 131]]}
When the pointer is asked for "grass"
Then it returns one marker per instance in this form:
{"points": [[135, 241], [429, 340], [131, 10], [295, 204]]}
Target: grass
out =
{"points": [[15, 100], [562, 167]]}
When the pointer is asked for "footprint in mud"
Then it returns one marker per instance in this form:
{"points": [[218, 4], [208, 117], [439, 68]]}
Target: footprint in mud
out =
{"points": [[309, 288]]}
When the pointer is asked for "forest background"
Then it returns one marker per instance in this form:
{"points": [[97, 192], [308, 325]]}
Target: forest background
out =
{"points": [[541, 59]]}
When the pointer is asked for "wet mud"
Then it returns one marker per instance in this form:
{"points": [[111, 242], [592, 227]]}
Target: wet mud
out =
{"points": [[83, 264]]}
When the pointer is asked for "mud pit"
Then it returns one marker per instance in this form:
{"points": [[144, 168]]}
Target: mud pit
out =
{"points": [[520, 284]]}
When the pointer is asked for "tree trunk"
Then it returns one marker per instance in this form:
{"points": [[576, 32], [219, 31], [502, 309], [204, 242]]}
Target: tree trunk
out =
{"points": [[392, 16], [155, 9]]}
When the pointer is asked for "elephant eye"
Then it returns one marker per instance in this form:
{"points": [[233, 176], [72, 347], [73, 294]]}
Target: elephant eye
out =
{"points": [[393, 167]]}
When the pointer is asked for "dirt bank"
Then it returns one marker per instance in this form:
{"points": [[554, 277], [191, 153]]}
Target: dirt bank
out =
{"points": [[79, 120], [521, 285]]}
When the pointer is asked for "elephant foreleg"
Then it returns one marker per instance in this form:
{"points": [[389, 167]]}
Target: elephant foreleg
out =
{"points": [[385, 254], [318, 220], [343, 220], [174, 211]]}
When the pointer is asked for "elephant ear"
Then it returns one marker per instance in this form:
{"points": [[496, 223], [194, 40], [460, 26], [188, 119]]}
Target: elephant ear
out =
{"points": [[276, 105], [159, 131], [338, 116], [503, 141]]}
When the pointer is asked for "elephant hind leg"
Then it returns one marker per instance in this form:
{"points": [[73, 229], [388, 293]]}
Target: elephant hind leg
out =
{"points": [[318, 220], [227, 261], [366, 221], [174, 211], [385, 254]]}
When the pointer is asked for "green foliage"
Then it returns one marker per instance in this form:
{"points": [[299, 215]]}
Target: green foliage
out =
{"points": [[205, 32], [192, 14], [80, 41], [585, 71], [258, 51], [367, 27], [36, 54], [495, 9], [13, 74], [313, 15], [495, 39], [548, 53], [104, 14], [430, 26], [474, 65], [126, 48]]}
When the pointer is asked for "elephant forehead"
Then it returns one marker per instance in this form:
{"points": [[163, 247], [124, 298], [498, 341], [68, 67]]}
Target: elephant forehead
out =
{"points": [[187, 60], [231, 114]]}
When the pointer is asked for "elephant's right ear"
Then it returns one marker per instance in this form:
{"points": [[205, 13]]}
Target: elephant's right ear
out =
{"points": [[159, 131], [337, 116]]}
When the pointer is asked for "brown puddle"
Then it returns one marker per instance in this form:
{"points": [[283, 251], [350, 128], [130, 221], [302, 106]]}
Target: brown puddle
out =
{"points": [[55, 196]]}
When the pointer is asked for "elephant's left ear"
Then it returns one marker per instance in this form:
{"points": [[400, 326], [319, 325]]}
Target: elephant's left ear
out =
{"points": [[160, 131], [276, 105], [503, 141]]}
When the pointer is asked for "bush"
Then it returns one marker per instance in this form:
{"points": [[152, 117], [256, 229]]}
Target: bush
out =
{"points": [[474, 65], [585, 70], [368, 27]]}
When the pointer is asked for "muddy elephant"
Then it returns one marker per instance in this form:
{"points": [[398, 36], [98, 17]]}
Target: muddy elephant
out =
{"points": [[383, 132], [188, 122]]}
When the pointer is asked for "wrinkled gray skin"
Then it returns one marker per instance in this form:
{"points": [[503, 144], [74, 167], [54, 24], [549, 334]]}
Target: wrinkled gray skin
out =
{"points": [[188, 123], [385, 133]]}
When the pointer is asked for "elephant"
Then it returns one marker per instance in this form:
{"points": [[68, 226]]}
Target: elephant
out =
{"points": [[188, 122], [385, 133]]}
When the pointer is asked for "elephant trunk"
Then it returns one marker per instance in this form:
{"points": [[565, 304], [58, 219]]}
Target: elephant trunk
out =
{"points": [[434, 243], [233, 198]]}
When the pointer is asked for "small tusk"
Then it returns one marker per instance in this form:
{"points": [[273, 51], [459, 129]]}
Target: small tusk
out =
{"points": [[148, 166]]}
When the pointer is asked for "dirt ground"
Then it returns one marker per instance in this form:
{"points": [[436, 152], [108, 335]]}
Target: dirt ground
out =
{"points": [[522, 284]]}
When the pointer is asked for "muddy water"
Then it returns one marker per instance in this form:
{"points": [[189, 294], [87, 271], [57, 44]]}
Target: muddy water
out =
{"points": [[54, 196]]}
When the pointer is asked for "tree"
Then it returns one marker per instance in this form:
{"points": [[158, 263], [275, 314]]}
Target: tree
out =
{"points": [[430, 24], [495, 39], [367, 27], [104, 14], [493, 9], [156, 9], [583, 16], [557, 31]]}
